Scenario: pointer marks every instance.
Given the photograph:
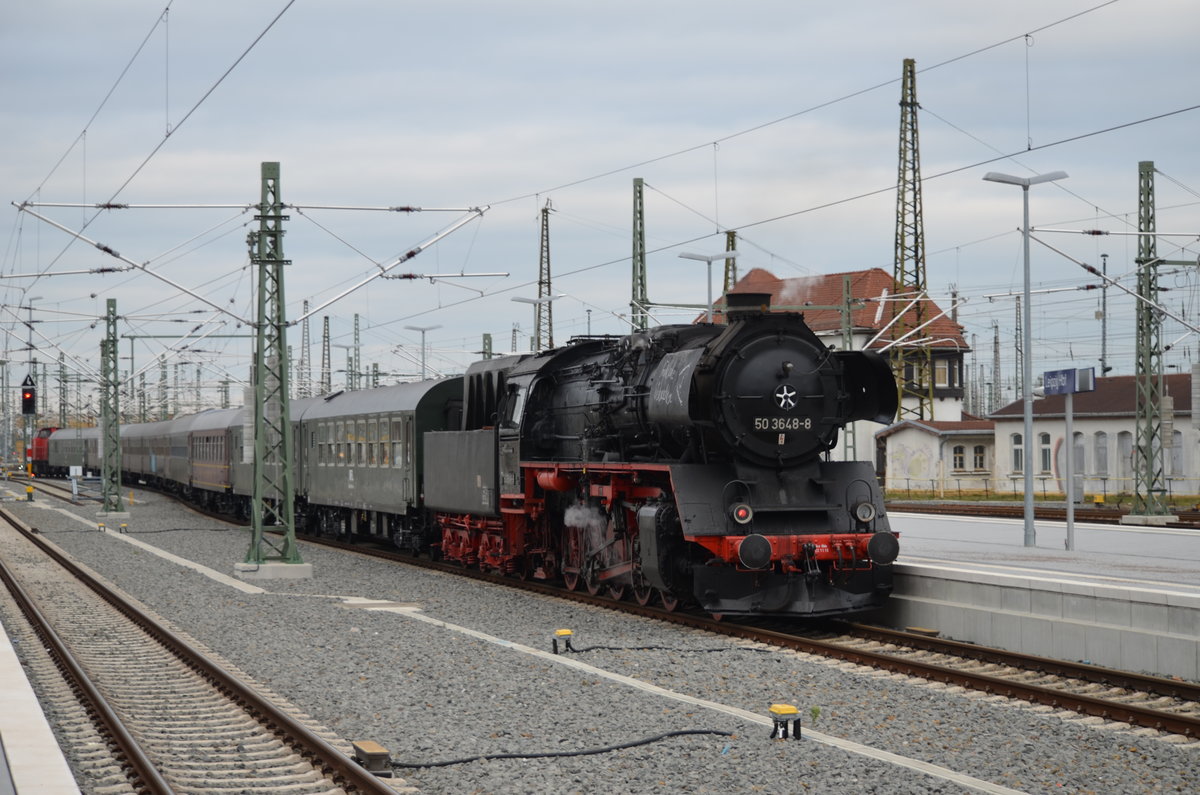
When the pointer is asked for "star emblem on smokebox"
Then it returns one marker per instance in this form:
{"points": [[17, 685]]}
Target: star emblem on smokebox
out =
{"points": [[785, 397]]}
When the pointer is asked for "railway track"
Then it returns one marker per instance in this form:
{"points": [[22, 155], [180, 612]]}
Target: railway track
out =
{"points": [[144, 709], [1165, 705]]}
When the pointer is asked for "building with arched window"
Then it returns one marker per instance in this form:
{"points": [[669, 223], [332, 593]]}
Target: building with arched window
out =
{"points": [[988, 454], [1104, 437]]}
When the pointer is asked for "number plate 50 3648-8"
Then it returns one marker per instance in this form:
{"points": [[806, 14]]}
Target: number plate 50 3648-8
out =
{"points": [[782, 423]]}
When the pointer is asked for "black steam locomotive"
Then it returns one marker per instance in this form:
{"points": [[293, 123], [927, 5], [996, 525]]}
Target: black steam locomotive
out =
{"points": [[683, 462]]}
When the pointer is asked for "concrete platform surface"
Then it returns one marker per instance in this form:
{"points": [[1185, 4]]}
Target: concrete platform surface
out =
{"points": [[35, 763], [1127, 597]]}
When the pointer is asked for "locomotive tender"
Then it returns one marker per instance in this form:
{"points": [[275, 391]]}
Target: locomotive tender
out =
{"points": [[684, 463]]}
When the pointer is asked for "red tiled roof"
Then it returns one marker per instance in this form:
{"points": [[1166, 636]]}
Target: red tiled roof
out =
{"points": [[1114, 395], [873, 288]]}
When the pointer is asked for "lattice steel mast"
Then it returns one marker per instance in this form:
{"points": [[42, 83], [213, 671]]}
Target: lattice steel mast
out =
{"points": [[913, 364], [731, 272], [326, 365], [543, 319], [639, 314], [305, 370], [273, 489], [110, 416], [1149, 474]]}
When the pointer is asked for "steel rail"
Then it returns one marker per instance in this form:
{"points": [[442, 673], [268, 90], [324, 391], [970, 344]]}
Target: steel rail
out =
{"points": [[1174, 688], [143, 771], [344, 770]]}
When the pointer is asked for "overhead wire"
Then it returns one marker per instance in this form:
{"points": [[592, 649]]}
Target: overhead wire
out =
{"points": [[805, 111], [83, 133], [167, 136]]}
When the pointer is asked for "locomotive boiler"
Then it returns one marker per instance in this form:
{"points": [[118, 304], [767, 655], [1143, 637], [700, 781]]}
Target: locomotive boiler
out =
{"points": [[685, 463]]}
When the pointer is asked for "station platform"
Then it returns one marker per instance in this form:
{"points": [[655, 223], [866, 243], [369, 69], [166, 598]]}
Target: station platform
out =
{"points": [[1126, 596], [31, 762]]}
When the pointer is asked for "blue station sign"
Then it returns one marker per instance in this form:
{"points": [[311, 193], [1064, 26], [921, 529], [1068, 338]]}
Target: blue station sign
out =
{"points": [[1067, 382]]}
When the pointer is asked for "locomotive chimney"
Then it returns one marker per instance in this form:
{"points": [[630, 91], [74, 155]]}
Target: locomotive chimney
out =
{"points": [[738, 304]]}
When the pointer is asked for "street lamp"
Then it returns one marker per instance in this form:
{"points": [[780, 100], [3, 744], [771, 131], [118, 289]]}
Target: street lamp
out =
{"points": [[1026, 341], [708, 281], [537, 319], [422, 329]]}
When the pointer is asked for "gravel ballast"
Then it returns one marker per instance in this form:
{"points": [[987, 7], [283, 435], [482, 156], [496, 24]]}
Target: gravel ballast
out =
{"points": [[430, 693]]}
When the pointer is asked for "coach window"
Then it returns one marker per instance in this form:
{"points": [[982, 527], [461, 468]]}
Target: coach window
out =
{"points": [[372, 441], [960, 456], [340, 445], [361, 441], [1018, 453], [384, 444], [408, 441], [397, 444]]}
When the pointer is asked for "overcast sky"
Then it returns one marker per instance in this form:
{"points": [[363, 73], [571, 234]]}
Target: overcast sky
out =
{"points": [[778, 119]]}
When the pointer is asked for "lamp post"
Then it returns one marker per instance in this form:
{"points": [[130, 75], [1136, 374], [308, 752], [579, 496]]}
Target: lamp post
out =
{"points": [[538, 303], [1026, 341], [708, 281], [422, 329]]}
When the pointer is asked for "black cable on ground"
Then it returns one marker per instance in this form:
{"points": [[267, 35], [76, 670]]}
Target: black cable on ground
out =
{"points": [[573, 650], [552, 754]]}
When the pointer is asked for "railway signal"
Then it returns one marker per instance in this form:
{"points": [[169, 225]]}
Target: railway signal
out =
{"points": [[28, 400]]}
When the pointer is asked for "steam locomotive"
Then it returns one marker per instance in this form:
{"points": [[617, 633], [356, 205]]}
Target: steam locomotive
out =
{"points": [[684, 463]]}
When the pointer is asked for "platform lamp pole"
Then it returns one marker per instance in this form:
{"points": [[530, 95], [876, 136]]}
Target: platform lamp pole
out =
{"points": [[1026, 341], [537, 304], [709, 258], [422, 329]]}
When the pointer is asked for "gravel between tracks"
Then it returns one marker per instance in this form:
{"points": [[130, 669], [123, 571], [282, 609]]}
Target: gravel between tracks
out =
{"points": [[429, 694]]}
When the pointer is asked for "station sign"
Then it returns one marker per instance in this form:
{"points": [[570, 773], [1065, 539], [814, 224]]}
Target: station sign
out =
{"points": [[1068, 382]]}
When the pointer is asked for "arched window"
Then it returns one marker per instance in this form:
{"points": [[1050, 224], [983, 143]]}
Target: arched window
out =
{"points": [[980, 461], [1018, 453], [1080, 462], [960, 457], [1044, 444], [1100, 445], [1125, 455], [1176, 454]]}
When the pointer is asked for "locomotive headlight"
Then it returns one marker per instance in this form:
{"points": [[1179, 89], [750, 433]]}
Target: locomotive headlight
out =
{"points": [[864, 511], [741, 513]]}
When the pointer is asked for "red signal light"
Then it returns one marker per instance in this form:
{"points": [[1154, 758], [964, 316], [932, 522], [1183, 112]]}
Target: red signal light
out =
{"points": [[741, 513]]}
